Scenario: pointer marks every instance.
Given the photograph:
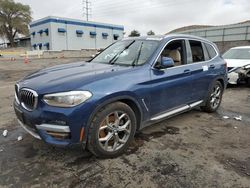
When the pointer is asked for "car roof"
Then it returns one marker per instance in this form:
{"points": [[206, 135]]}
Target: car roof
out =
{"points": [[168, 36], [241, 47]]}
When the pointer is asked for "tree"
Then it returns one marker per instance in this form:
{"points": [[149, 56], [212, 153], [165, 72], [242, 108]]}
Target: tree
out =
{"points": [[134, 33], [14, 18], [151, 32]]}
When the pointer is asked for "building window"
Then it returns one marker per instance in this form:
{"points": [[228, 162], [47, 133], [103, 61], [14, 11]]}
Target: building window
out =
{"points": [[116, 36], [33, 33], [46, 46], [79, 33], [40, 32], [61, 30], [34, 46], [105, 35], [92, 34], [40, 45], [46, 31]]}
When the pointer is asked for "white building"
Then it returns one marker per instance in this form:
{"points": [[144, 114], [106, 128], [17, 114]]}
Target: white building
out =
{"points": [[55, 33]]}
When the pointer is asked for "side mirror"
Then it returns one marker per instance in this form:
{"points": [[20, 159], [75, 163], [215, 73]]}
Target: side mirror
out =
{"points": [[166, 62]]}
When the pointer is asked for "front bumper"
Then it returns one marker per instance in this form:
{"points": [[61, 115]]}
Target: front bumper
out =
{"points": [[27, 129], [56, 130], [233, 78], [45, 124], [51, 134]]}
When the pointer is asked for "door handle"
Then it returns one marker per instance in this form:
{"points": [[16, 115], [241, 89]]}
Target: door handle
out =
{"points": [[212, 66], [187, 71]]}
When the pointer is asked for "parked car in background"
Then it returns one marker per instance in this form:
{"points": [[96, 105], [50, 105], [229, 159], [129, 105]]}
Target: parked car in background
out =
{"points": [[133, 83], [238, 62]]}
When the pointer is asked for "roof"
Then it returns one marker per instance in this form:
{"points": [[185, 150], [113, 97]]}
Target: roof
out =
{"points": [[53, 19], [161, 37], [145, 37]]}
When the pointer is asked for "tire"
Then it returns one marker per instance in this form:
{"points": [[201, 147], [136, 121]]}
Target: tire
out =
{"points": [[112, 130], [248, 82], [214, 98]]}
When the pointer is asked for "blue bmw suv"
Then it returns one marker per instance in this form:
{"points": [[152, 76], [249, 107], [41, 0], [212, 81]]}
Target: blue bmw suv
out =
{"points": [[133, 83]]}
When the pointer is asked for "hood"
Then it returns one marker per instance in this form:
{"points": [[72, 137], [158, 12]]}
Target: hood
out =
{"points": [[231, 63], [69, 76]]}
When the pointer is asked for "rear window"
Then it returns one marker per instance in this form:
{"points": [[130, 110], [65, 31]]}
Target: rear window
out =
{"points": [[197, 51], [211, 51]]}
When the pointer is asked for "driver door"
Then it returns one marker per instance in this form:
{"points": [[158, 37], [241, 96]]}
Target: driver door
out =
{"points": [[171, 88]]}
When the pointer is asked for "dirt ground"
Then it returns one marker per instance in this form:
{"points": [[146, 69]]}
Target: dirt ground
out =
{"points": [[194, 149]]}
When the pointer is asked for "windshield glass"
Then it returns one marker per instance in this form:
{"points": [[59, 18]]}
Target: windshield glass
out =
{"points": [[127, 52], [237, 54]]}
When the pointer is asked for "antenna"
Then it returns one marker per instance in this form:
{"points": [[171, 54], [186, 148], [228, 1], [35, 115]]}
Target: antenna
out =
{"points": [[86, 9]]}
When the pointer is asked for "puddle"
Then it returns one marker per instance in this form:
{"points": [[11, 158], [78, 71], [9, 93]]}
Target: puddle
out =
{"points": [[140, 138]]}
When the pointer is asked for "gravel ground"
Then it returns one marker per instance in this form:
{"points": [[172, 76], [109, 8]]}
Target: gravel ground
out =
{"points": [[194, 149]]}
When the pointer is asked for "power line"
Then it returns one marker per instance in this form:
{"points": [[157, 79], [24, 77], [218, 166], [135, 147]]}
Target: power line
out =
{"points": [[135, 9], [86, 9], [128, 5]]}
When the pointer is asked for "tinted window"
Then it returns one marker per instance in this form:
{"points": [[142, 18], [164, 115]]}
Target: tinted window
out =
{"points": [[197, 51], [211, 52]]}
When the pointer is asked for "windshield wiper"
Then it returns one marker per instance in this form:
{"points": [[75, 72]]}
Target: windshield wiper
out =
{"points": [[113, 60], [138, 56]]}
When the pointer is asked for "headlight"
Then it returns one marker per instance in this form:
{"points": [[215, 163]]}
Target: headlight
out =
{"points": [[67, 99]]}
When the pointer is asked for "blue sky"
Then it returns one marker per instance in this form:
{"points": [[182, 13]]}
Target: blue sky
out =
{"points": [[159, 15]]}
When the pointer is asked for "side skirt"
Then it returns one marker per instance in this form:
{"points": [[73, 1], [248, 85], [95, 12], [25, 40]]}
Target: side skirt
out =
{"points": [[176, 111]]}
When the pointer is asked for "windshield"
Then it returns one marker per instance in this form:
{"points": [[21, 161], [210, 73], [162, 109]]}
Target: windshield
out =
{"points": [[237, 54], [127, 52]]}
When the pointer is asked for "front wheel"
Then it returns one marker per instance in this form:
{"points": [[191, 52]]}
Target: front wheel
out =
{"points": [[214, 98], [112, 129]]}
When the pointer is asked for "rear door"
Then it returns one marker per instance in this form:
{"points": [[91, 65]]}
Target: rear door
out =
{"points": [[172, 87], [201, 66]]}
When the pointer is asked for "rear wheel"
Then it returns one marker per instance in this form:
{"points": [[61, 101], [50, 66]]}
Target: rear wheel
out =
{"points": [[112, 130], [214, 98]]}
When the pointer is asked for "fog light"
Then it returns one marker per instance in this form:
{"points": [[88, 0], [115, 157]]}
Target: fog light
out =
{"points": [[58, 135]]}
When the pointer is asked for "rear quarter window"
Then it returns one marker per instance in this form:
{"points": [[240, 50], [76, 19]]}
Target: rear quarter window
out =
{"points": [[211, 51]]}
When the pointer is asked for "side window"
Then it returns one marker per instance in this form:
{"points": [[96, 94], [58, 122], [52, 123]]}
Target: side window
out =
{"points": [[197, 51], [177, 51], [211, 51]]}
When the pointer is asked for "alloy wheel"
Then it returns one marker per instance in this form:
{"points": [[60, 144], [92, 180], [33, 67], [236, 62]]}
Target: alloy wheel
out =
{"points": [[114, 131], [215, 97]]}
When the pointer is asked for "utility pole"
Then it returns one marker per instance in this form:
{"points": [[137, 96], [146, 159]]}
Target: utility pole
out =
{"points": [[86, 9]]}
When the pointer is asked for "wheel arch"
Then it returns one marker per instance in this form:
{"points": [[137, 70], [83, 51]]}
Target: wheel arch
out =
{"points": [[222, 82], [131, 101], [221, 79]]}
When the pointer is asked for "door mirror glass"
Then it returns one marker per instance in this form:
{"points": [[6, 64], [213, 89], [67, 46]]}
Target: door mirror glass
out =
{"points": [[166, 62]]}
